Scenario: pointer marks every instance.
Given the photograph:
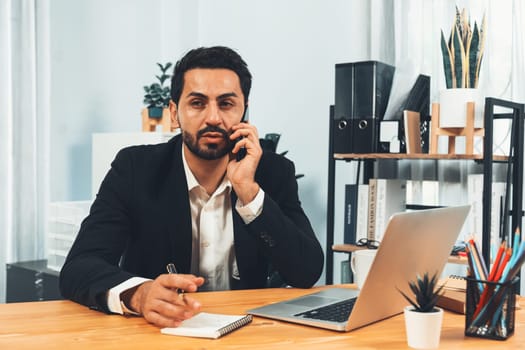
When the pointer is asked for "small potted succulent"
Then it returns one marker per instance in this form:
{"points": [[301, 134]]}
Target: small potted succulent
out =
{"points": [[422, 318], [157, 96]]}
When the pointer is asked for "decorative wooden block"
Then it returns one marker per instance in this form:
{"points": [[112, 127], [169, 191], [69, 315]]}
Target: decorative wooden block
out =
{"points": [[150, 124], [469, 131]]}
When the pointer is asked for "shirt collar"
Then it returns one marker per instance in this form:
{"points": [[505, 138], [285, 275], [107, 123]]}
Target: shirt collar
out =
{"points": [[193, 183]]}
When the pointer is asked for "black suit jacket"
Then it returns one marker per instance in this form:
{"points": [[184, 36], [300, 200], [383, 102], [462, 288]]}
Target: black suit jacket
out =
{"points": [[140, 221]]}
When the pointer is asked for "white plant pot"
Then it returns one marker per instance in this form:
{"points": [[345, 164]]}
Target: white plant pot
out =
{"points": [[453, 107], [423, 329]]}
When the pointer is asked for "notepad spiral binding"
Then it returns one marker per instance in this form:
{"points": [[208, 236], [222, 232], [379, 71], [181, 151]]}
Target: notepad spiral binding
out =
{"points": [[456, 277], [235, 325], [456, 282]]}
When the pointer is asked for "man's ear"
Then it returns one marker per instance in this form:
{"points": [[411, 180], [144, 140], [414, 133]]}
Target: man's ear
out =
{"points": [[174, 116]]}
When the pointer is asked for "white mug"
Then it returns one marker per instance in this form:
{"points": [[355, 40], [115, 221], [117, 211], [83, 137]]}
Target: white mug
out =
{"points": [[360, 264]]}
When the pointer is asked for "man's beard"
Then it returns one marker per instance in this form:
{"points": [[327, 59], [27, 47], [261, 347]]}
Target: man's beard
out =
{"points": [[209, 151]]}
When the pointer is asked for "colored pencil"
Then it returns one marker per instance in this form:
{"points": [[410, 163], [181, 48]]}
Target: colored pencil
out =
{"points": [[493, 307], [483, 273], [496, 261], [501, 267], [516, 242]]}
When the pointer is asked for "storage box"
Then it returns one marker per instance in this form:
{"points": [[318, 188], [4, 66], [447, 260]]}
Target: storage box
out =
{"points": [[31, 281], [64, 219]]}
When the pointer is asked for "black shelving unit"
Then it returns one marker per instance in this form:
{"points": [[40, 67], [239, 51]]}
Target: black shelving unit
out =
{"points": [[514, 175], [514, 170]]}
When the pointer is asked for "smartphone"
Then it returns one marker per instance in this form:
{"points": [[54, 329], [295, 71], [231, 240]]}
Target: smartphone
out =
{"points": [[242, 152]]}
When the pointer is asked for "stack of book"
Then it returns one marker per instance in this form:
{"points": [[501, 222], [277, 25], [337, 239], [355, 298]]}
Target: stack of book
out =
{"points": [[454, 294], [368, 208]]}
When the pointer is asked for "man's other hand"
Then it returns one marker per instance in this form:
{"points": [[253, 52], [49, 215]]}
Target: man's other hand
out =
{"points": [[161, 301]]}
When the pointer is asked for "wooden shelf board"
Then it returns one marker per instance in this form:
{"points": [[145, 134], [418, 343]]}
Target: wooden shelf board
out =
{"points": [[346, 248], [349, 248], [414, 156]]}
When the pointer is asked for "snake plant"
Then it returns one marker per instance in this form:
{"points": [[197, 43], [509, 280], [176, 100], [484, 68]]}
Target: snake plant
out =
{"points": [[463, 52]]}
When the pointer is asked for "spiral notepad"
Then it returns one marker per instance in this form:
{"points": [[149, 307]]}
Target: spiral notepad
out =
{"points": [[455, 282], [208, 325]]}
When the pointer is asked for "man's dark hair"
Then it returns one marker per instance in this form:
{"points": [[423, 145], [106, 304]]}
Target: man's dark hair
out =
{"points": [[210, 57]]}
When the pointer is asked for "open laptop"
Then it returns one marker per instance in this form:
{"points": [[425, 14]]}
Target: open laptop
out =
{"points": [[414, 243]]}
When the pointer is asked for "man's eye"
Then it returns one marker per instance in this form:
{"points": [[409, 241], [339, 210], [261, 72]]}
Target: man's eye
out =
{"points": [[225, 104], [197, 103]]}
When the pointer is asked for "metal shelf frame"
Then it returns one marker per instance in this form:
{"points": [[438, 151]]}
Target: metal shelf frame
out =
{"points": [[514, 161]]}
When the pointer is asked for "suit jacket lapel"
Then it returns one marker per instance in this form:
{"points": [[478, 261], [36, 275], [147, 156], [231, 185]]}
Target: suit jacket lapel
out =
{"points": [[178, 211]]}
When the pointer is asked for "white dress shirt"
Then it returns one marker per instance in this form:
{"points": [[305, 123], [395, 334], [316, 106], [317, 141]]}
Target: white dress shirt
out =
{"points": [[213, 252]]}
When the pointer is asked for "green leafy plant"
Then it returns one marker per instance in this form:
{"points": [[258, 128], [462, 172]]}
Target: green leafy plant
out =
{"points": [[426, 292], [463, 52], [157, 95]]}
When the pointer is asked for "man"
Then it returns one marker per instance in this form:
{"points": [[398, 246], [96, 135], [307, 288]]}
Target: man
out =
{"points": [[224, 223]]}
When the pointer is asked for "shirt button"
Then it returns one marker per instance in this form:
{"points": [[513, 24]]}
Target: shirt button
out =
{"points": [[205, 244]]}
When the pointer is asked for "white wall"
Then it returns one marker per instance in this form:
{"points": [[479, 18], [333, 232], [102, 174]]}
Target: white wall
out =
{"points": [[103, 52]]}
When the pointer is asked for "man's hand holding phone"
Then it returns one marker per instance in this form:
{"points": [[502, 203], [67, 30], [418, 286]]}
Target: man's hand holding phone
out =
{"points": [[241, 173]]}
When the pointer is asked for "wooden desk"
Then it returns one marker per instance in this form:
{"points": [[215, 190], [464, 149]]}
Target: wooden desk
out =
{"points": [[67, 325]]}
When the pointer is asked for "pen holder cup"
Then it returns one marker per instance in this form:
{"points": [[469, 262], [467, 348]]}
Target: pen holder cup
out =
{"points": [[490, 308]]}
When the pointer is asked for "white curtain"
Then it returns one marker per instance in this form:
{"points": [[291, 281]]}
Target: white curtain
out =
{"points": [[518, 51], [406, 34], [24, 130]]}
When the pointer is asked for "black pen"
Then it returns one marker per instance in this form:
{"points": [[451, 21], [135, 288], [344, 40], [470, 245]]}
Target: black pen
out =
{"points": [[172, 270]]}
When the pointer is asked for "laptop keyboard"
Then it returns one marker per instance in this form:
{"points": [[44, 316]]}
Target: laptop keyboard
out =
{"points": [[338, 312]]}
